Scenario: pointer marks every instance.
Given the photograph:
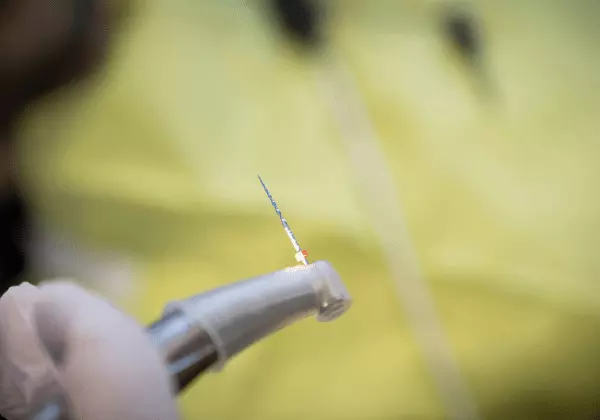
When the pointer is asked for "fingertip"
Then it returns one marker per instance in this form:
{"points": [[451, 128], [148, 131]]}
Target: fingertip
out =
{"points": [[51, 323]]}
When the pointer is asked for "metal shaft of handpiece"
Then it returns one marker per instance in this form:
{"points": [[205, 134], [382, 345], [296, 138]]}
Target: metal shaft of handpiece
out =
{"points": [[186, 348]]}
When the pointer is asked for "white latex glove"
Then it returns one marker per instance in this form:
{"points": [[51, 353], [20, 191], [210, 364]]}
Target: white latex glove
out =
{"points": [[59, 337]]}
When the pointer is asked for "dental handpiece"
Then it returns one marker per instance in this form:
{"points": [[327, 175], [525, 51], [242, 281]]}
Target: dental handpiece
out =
{"points": [[203, 332]]}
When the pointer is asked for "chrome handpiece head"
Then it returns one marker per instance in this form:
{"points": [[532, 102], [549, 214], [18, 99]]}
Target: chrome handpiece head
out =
{"points": [[237, 315]]}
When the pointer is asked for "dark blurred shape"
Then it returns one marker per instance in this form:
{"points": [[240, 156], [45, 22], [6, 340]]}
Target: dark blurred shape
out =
{"points": [[12, 239], [463, 31], [301, 20], [45, 46]]}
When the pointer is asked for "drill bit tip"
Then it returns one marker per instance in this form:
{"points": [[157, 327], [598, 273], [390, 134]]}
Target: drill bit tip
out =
{"points": [[301, 255]]}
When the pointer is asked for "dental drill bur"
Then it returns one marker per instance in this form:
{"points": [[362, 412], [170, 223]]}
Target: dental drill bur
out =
{"points": [[301, 255]]}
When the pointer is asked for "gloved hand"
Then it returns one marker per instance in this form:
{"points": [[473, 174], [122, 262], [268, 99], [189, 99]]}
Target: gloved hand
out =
{"points": [[60, 338]]}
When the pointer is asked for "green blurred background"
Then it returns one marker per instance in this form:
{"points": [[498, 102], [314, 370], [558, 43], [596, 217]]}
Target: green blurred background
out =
{"points": [[495, 161]]}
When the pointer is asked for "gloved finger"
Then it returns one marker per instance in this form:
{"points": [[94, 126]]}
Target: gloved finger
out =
{"points": [[108, 366], [24, 365]]}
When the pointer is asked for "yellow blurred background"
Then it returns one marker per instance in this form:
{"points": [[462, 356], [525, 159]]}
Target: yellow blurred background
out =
{"points": [[495, 162]]}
